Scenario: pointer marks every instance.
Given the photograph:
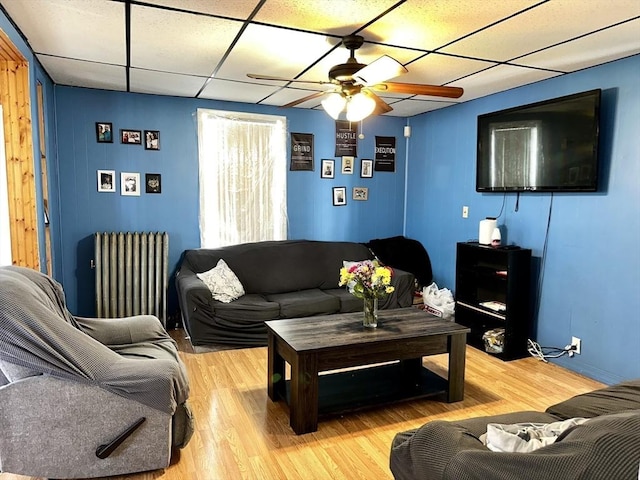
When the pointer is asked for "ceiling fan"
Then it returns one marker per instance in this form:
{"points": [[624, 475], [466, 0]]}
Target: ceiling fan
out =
{"points": [[354, 85]]}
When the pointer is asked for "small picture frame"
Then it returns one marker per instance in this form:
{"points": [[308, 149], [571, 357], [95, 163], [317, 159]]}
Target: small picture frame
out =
{"points": [[366, 168], [104, 132], [360, 193], [106, 180], [152, 140], [339, 196], [328, 168], [131, 137], [347, 165], [129, 184], [153, 182]]}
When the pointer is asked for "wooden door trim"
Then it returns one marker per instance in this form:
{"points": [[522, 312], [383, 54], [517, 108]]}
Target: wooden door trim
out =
{"points": [[18, 136]]}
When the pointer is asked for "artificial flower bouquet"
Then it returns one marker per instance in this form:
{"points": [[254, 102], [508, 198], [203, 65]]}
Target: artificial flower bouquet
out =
{"points": [[366, 279]]}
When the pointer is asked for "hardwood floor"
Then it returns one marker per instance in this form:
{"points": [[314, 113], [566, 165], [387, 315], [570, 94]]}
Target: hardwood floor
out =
{"points": [[241, 434]]}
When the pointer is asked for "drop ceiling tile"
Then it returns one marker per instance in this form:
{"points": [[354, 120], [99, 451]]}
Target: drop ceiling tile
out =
{"points": [[433, 24], [498, 79], [80, 29], [236, 9], [328, 16], [79, 73], [436, 69], [272, 51], [178, 42], [600, 47], [554, 22], [409, 108], [161, 83], [235, 91], [287, 95]]}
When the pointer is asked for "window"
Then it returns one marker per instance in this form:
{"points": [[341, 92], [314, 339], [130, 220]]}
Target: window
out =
{"points": [[243, 186]]}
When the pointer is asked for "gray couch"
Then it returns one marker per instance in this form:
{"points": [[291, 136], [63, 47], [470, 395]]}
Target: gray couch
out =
{"points": [[606, 447], [281, 279], [70, 385]]}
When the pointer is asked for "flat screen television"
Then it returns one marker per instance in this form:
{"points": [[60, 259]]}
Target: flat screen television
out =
{"points": [[549, 146]]}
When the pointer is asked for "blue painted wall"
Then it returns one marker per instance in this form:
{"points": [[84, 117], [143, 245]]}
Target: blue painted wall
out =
{"points": [[591, 276], [310, 208]]}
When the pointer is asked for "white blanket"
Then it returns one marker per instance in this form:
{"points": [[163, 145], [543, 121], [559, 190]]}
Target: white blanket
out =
{"points": [[525, 437]]}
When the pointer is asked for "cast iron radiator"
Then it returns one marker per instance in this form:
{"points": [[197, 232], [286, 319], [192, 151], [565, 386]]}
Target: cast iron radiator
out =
{"points": [[131, 274]]}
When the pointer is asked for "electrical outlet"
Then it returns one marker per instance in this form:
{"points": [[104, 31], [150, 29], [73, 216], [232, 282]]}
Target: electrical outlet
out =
{"points": [[577, 344], [465, 212]]}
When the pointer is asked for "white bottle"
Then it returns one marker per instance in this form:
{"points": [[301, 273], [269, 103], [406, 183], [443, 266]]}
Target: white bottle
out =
{"points": [[496, 237]]}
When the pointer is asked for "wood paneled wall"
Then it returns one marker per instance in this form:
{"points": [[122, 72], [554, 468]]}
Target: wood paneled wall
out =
{"points": [[18, 137]]}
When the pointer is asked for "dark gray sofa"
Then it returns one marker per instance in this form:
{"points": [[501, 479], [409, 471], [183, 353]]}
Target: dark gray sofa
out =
{"points": [[606, 447], [281, 279]]}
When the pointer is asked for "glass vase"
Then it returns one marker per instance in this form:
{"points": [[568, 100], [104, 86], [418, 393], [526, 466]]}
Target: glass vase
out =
{"points": [[370, 319]]}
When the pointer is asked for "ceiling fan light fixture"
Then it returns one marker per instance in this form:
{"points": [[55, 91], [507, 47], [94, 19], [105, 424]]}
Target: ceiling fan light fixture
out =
{"points": [[360, 106], [380, 70], [334, 104]]}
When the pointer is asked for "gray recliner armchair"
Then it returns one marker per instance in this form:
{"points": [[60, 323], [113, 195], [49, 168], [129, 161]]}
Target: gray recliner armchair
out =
{"points": [[84, 397]]}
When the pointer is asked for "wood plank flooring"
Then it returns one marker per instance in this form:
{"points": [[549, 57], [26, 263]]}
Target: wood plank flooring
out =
{"points": [[241, 434]]}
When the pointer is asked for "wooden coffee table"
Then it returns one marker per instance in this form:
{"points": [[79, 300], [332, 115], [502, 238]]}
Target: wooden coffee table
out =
{"points": [[312, 345]]}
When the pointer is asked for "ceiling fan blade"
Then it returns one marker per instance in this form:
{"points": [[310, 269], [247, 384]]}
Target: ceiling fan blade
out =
{"points": [[303, 99], [419, 89], [381, 106], [380, 70], [256, 76]]}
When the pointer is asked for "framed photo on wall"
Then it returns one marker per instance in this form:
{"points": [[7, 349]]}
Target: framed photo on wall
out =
{"points": [[153, 182], [152, 140], [360, 193], [131, 137], [328, 168], [104, 132], [339, 196], [130, 184], [347, 165], [106, 180], [366, 168]]}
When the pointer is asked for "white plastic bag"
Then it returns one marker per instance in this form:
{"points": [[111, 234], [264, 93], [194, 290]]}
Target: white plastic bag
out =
{"points": [[438, 302]]}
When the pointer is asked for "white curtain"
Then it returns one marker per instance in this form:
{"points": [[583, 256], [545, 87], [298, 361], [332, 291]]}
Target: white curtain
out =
{"points": [[243, 187]]}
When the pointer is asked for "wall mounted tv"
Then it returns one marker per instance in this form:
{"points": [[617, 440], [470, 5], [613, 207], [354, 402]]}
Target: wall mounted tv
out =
{"points": [[549, 146]]}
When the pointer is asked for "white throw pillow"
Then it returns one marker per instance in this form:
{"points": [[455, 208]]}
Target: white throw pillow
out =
{"points": [[223, 283], [348, 264]]}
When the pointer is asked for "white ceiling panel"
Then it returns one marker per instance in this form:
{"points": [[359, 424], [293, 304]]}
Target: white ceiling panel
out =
{"points": [[502, 77], [259, 46], [409, 108], [433, 24], [240, 9], [236, 92], [288, 95], [78, 73], [161, 83], [597, 48], [327, 16], [175, 45], [440, 69], [179, 42], [555, 22], [81, 29]]}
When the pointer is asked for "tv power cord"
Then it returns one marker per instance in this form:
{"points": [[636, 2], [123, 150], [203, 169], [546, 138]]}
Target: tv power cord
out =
{"points": [[543, 353]]}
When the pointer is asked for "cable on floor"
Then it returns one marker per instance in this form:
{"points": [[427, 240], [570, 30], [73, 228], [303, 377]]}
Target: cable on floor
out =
{"points": [[542, 353]]}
